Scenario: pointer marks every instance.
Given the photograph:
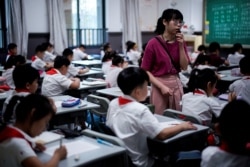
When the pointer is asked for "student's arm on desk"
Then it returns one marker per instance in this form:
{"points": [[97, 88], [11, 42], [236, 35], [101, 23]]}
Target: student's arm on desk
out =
{"points": [[75, 83], [83, 71], [59, 154], [164, 89], [171, 131]]}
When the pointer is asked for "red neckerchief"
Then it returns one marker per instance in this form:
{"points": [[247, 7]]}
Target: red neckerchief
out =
{"points": [[123, 101], [198, 91], [52, 71], [9, 132], [22, 90], [33, 58], [224, 147]]}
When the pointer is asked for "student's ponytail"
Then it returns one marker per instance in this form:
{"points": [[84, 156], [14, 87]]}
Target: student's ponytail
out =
{"points": [[159, 27], [193, 80]]}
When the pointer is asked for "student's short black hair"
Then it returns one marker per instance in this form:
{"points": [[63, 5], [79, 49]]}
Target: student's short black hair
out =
{"points": [[237, 47], [106, 46], [130, 45], [12, 46], [61, 61], [131, 78], [40, 48], [24, 74], [117, 59], [201, 60], [47, 44], [67, 52], [234, 126], [82, 46], [14, 60], [108, 56], [213, 47], [201, 48], [200, 78], [245, 65]]}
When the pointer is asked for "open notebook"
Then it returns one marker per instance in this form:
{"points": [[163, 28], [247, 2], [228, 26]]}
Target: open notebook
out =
{"points": [[47, 137]]}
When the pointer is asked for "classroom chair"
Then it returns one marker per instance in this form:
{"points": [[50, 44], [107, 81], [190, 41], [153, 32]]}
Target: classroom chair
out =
{"points": [[182, 116]]}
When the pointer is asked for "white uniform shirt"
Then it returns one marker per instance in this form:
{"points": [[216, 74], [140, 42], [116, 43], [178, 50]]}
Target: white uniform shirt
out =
{"points": [[132, 123], [72, 71], [235, 58], [215, 157], [39, 64], [78, 54], [237, 85], [201, 105], [134, 56], [106, 66], [245, 93], [112, 75], [7, 74], [15, 150], [55, 84], [49, 57]]}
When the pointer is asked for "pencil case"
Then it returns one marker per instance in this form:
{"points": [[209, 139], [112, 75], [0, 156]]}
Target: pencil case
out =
{"points": [[71, 102]]}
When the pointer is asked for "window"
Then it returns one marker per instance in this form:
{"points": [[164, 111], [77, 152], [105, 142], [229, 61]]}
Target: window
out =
{"points": [[85, 22], [3, 32]]}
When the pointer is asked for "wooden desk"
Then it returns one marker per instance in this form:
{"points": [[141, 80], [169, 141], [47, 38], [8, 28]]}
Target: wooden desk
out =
{"points": [[104, 155], [184, 141]]}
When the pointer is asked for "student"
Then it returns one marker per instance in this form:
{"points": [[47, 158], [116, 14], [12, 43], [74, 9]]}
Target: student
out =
{"points": [[132, 53], [105, 48], [117, 66], [107, 61], [133, 121], [72, 70], [216, 60], [55, 81], [11, 63], [233, 127], [238, 85], [49, 57], [194, 55], [37, 61], [199, 101], [203, 61], [12, 50], [33, 113], [142, 54], [79, 53], [236, 55], [25, 80]]}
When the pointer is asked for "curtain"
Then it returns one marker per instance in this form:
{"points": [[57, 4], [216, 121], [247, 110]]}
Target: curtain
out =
{"points": [[57, 25], [17, 29], [130, 22]]}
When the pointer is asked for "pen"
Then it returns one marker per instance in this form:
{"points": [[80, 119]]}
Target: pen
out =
{"points": [[61, 142], [104, 142]]}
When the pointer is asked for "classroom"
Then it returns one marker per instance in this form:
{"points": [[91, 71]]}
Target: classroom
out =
{"points": [[125, 83]]}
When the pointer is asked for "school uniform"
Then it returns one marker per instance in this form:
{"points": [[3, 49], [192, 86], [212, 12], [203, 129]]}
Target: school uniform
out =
{"points": [[72, 71], [54, 83], [39, 64], [132, 122], [213, 156], [106, 66], [7, 74], [237, 85], [112, 75], [49, 57], [16, 148], [134, 56], [78, 54], [198, 103], [235, 58], [245, 93]]}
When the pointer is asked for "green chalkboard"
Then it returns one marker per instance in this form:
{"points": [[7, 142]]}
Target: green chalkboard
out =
{"points": [[227, 22]]}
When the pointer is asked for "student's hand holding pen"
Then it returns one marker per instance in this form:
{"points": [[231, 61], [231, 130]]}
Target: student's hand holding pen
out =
{"points": [[61, 152], [40, 147], [231, 96]]}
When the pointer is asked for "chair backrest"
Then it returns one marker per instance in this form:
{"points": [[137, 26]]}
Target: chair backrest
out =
{"points": [[182, 116], [102, 101]]}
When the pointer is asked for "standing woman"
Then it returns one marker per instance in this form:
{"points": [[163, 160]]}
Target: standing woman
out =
{"points": [[165, 56]]}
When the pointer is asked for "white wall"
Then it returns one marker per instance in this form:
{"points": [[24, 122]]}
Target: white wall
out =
{"points": [[37, 16]]}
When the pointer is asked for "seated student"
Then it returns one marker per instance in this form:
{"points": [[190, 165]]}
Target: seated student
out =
{"points": [[107, 61], [11, 63], [37, 61], [236, 55], [216, 60], [48, 57], [132, 53], [237, 85], [12, 51], [25, 79], [72, 70], [142, 54], [194, 55], [132, 121], [33, 113], [199, 101], [79, 53], [105, 48], [55, 81], [117, 66], [203, 61], [233, 127]]}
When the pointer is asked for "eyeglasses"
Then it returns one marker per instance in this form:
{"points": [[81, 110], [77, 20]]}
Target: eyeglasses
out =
{"points": [[178, 22]]}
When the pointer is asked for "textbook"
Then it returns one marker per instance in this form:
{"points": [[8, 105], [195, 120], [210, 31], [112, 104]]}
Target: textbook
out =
{"points": [[96, 82], [47, 137]]}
